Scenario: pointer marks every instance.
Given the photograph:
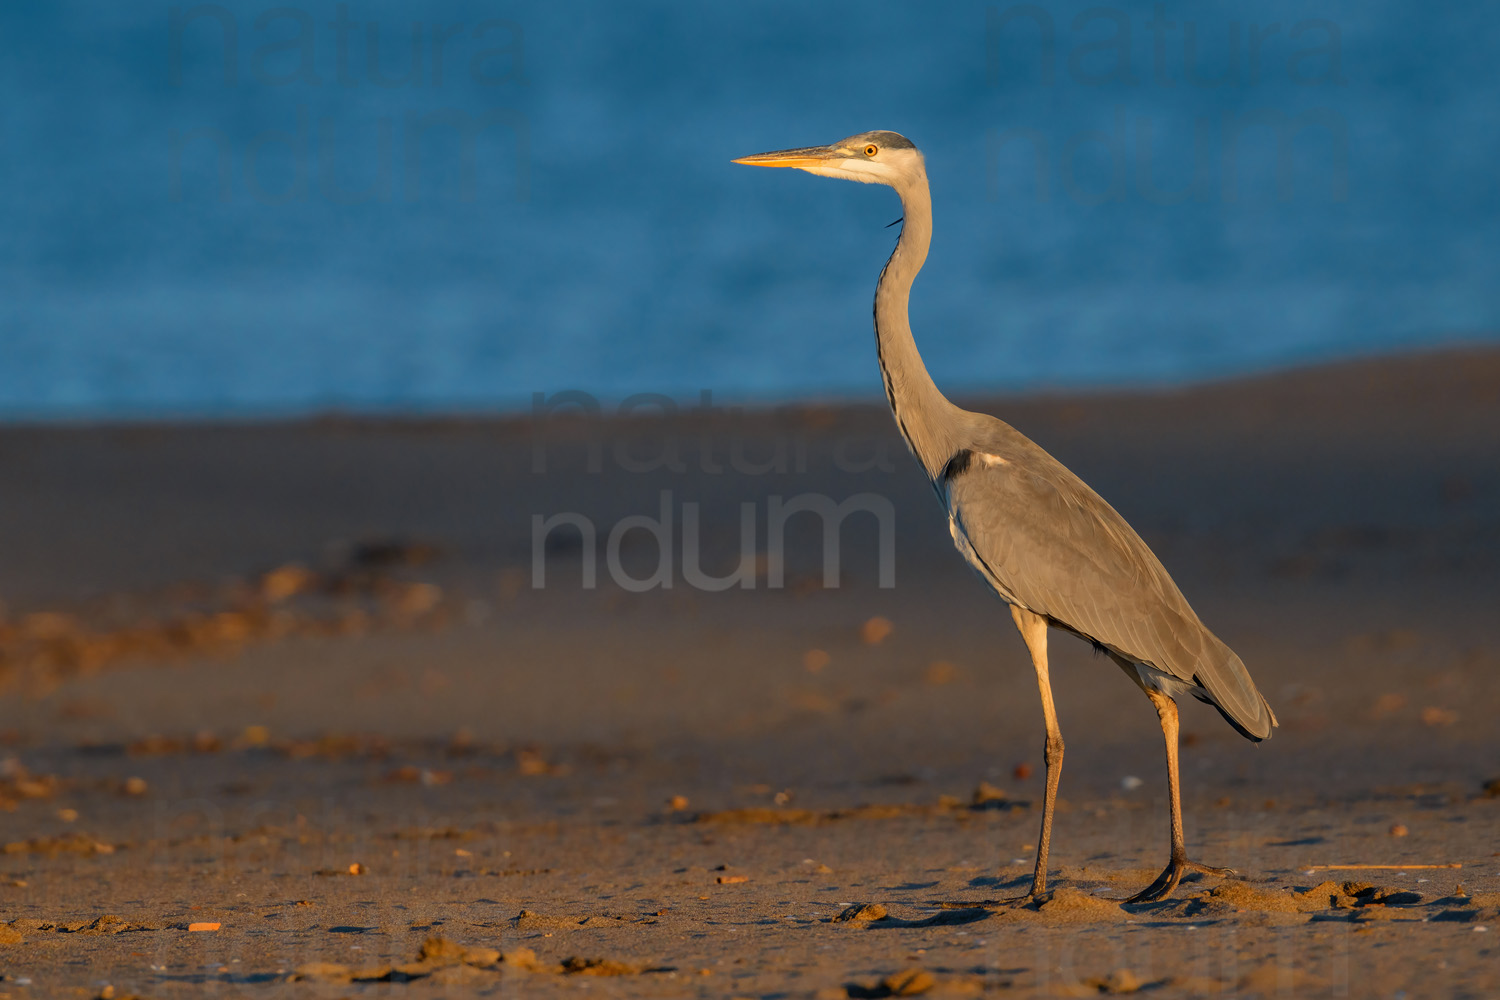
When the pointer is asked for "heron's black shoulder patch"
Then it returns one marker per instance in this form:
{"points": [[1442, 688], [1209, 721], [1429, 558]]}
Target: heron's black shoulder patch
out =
{"points": [[958, 465]]}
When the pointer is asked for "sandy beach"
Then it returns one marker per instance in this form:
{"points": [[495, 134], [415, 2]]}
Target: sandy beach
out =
{"points": [[310, 709]]}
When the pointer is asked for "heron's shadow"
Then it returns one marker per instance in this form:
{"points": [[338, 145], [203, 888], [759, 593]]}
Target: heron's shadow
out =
{"points": [[994, 881], [943, 918]]}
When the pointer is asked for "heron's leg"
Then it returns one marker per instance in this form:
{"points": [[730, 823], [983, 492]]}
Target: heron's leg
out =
{"points": [[1178, 865], [1166, 711], [1034, 630]]}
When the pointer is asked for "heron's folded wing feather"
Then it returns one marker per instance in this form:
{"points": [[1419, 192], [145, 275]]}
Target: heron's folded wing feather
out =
{"points": [[1061, 551]]}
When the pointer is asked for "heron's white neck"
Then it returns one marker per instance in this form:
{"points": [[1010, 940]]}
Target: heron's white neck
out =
{"points": [[918, 406]]}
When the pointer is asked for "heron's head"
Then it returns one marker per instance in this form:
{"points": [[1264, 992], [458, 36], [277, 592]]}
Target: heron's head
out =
{"points": [[870, 157]]}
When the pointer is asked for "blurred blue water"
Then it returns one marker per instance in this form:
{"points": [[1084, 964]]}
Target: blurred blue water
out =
{"points": [[605, 243]]}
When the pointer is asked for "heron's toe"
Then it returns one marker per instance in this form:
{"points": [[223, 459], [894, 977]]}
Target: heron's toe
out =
{"points": [[1163, 887], [1166, 883]]}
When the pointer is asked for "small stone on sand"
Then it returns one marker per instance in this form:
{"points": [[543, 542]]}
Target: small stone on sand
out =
{"points": [[1117, 982], [940, 672], [284, 582], [1434, 716], [861, 912], [576, 966], [875, 631], [986, 794]]}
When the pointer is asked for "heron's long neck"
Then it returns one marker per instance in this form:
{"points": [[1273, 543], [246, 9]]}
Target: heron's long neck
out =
{"points": [[916, 402]]}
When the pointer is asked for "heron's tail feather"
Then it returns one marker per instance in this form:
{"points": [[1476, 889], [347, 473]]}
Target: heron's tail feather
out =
{"points": [[1223, 675]]}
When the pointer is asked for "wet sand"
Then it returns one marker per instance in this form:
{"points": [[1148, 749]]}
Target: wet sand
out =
{"points": [[299, 681]]}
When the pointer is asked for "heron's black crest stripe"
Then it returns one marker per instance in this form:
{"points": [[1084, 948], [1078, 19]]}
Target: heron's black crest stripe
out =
{"points": [[897, 222], [890, 140], [958, 464]]}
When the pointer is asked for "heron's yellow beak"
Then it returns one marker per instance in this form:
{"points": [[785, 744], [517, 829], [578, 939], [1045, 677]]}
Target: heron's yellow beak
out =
{"points": [[808, 158]]}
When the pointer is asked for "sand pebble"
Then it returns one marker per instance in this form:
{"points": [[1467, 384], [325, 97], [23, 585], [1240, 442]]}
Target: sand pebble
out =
{"points": [[286, 581], [530, 762], [413, 599], [576, 966], [986, 794], [1118, 981], [876, 630], [204, 925], [1130, 783], [940, 672], [861, 913], [1434, 716]]}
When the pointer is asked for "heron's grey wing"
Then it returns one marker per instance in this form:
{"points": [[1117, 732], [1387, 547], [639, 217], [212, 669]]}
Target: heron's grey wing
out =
{"points": [[1047, 542]]}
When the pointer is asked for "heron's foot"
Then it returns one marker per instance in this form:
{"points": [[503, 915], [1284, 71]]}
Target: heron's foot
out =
{"points": [[1166, 882], [1037, 894]]}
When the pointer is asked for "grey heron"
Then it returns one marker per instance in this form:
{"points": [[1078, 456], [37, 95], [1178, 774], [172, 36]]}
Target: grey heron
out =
{"points": [[1048, 545]]}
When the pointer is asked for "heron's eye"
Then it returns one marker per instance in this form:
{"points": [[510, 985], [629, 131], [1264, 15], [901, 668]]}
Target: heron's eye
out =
{"points": [[871, 150]]}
